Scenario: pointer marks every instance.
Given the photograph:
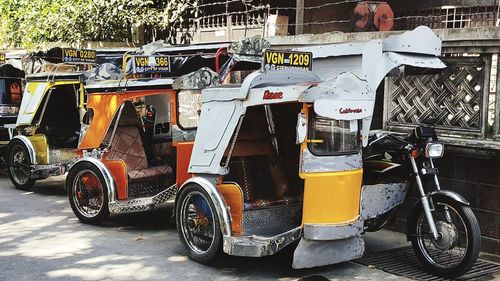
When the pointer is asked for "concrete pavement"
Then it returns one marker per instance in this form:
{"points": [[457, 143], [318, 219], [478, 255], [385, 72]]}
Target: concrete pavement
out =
{"points": [[41, 239]]}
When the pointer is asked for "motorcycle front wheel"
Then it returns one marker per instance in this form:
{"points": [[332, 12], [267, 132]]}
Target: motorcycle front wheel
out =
{"points": [[459, 242]]}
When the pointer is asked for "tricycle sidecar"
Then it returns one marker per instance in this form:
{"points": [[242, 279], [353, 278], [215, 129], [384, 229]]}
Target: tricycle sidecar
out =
{"points": [[129, 152], [48, 124]]}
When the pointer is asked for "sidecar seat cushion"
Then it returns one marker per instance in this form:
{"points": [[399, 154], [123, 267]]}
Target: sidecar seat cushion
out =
{"points": [[150, 172], [127, 145]]}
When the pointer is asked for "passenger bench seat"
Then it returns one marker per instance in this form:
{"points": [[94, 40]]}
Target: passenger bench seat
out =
{"points": [[127, 145]]}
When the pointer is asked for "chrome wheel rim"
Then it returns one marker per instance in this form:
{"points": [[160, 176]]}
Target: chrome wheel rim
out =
{"points": [[197, 222], [20, 165], [451, 248], [88, 193]]}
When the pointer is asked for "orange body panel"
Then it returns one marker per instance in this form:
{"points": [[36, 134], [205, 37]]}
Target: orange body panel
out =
{"points": [[234, 199], [118, 170], [173, 109], [105, 106], [184, 150]]}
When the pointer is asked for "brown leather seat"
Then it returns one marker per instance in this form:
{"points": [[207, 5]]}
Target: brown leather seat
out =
{"points": [[127, 145]]}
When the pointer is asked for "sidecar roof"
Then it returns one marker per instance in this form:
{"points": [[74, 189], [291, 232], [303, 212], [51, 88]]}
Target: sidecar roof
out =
{"points": [[124, 85], [342, 75], [52, 76]]}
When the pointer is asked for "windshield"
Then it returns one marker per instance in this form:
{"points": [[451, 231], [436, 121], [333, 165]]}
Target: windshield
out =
{"points": [[332, 137]]}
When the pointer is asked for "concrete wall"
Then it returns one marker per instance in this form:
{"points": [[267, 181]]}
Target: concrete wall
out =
{"points": [[315, 19]]}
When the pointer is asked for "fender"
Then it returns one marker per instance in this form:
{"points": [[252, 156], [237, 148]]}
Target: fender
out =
{"points": [[215, 196], [29, 146], [450, 194], [108, 178], [434, 194]]}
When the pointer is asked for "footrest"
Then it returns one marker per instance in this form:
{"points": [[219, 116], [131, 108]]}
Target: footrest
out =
{"points": [[142, 204], [282, 218]]}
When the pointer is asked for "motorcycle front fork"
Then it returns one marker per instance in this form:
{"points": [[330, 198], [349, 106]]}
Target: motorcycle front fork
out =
{"points": [[424, 199]]}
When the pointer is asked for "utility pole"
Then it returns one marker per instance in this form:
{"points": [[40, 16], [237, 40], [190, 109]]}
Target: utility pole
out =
{"points": [[299, 17]]}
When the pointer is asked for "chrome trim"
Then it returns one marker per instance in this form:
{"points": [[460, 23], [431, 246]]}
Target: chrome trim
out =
{"points": [[450, 194], [220, 206], [29, 146], [108, 178], [332, 232], [424, 199], [142, 204], [259, 246]]}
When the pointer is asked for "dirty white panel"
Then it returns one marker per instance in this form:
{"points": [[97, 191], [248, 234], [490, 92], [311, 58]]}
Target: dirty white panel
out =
{"points": [[343, 109], [30, 103]]}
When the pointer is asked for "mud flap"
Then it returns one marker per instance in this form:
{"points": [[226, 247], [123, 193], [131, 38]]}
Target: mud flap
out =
{"points": [[312, 253]]}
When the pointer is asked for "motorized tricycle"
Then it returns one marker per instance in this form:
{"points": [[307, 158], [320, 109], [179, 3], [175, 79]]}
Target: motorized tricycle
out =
{"points": [[130, 157], [11, 85], [47, 127], [278, 159]]}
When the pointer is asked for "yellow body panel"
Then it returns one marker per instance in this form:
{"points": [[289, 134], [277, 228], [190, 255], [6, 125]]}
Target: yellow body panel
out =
{"points": [[331, 197], [39, 141], [31, 98]]}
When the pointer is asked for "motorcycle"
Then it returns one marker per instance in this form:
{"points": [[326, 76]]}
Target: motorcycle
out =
{"points": [[442, 228]]}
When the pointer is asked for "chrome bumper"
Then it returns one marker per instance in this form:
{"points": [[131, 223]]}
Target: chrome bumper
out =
{"points": [[258, 246], [319, 232], [142, 204]]}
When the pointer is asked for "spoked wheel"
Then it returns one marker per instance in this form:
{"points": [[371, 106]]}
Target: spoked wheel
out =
{"points": [[19, 165], [87, 193], [198, 224], [457, 248]]}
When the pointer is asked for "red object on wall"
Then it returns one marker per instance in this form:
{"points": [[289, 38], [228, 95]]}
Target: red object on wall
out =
{"points": [[383, 17], [372, 15], [362, 17]]}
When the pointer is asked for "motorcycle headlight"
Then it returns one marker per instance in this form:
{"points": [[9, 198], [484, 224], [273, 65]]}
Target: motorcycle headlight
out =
{"points": [[434, 150]]}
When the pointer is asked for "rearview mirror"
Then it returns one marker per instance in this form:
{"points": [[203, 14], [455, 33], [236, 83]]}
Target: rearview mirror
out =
{"points": [[301, 128]]}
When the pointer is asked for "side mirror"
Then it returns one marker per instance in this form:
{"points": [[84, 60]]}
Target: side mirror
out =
{"points": [[301, 128]]}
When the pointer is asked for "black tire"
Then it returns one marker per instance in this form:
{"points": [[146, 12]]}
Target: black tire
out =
{"points": [[204, 256], [77, 190], [18, 165], [473, 238]]}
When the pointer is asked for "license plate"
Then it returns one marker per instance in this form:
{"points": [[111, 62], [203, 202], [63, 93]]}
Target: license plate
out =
{"points": [[150, 64], [278, 59], [78, 55]]}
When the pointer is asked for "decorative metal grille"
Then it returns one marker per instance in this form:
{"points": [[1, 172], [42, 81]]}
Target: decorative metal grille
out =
{"points": [[454, 96]]}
